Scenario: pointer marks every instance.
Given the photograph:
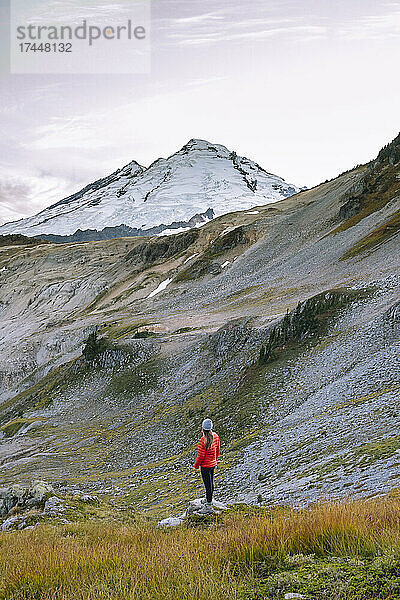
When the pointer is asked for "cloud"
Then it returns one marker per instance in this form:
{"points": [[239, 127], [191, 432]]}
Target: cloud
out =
{"points": [[196, 19], [14, 200], [300, 32], [74, 132], [241, 23], [74, 11], [373, 27], [23, 193]]}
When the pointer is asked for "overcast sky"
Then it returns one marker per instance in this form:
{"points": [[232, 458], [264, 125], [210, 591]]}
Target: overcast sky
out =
{"points": [[306, 88]]}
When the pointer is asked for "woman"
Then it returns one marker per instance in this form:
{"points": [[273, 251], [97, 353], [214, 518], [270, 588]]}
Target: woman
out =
{"points": [[208, 452]]}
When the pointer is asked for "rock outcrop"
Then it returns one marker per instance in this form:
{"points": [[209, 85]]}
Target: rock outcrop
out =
{"points": [[195, 508], [24, 497]]}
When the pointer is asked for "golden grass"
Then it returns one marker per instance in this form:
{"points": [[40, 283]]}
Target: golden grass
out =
{"points": [[140, 562]]}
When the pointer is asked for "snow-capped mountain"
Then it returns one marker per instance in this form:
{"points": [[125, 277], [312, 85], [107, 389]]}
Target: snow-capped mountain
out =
{"points": [[200, 181]]}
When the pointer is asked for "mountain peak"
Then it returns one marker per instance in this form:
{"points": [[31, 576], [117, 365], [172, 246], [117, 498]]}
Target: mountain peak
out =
{"points": [[203, 145], [199, 177], [198, 142], [133, 167]]}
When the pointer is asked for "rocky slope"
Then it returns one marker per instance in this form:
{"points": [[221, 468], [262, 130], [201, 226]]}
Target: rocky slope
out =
{"points": [[281, 323], [189, 188]]}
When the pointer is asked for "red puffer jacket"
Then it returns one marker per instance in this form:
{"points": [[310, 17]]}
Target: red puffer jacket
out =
{"points": [[207, 458]]}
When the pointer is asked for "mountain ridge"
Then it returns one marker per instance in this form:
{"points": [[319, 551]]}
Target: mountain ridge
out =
{"points": [[198, 177]]}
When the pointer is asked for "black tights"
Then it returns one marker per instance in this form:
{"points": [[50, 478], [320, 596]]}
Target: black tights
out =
{"points": [[207, 474]]}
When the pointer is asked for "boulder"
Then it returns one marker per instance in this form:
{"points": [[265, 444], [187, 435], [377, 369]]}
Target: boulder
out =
{"points": [[53, 506], [171, 521], [8, 523], [19, 496], [39, 490], [15, 495], [198, 507], [195, 507]]}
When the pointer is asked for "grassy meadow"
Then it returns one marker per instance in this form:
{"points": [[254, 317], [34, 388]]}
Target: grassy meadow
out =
{"points": [[329, 550]]}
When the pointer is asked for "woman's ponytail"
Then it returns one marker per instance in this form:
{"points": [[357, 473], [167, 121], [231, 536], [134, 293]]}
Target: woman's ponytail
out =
{"points": [[208, 439]]}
